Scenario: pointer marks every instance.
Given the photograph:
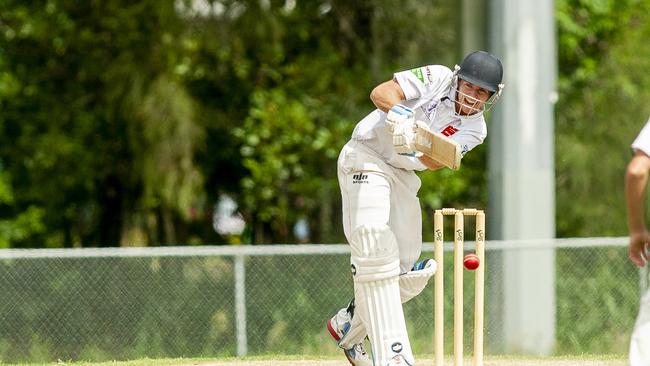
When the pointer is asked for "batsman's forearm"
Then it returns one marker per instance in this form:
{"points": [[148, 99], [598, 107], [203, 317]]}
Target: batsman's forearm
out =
{"points": [[635, 184]]}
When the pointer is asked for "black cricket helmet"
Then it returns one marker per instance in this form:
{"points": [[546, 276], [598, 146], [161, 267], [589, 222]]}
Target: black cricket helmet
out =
{"points": [[482, 69]]}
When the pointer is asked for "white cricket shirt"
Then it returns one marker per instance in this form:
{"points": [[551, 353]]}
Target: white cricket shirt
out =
{"points": [[642, 141], [430, 92]]}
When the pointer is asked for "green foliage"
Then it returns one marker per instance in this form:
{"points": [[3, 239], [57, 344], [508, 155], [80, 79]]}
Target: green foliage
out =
{"points": [[113, 308], [597, 300], [303, 76], [600, 111], [138, 116], [150, 306], [72, 75], [587, 30], [21, 226], [122, 123], [17, 226], [282, 147], [163, 140]]}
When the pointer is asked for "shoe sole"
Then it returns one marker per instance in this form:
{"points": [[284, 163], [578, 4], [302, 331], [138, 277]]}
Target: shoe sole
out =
{"points": [[332, 331], [337, 338]]}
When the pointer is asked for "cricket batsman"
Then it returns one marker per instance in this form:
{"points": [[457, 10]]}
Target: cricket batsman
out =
{"points": [[382, 218]]}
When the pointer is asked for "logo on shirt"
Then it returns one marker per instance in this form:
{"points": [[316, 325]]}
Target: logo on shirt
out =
{"points": [[430, 109], [429, 76], [418, 74], [449, 130], [360, 178]]}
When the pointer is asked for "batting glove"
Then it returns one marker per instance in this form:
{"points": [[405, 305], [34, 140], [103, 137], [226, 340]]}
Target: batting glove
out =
{"points": [[399, 115], [404, 140], [401, 122]]}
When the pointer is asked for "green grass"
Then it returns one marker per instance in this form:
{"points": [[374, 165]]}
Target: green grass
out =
{"points": [[285, 360], [142, 362]]}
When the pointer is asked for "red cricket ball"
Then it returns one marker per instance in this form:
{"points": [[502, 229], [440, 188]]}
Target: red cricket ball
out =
{"points": [[471, 262]]}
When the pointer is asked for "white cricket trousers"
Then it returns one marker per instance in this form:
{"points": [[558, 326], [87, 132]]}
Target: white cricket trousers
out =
{"points": [[374, 192], [640, 340]]}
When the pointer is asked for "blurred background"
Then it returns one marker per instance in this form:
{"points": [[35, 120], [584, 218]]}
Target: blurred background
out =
{"points": [[127, 123], [215, 122]]}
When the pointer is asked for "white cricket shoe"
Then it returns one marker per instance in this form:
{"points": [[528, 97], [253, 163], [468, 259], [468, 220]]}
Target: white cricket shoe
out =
{"points": [[338, 325]]}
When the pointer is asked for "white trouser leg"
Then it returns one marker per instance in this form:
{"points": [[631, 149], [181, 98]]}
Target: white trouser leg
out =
{"points": [[373, 192], [375, 269], [640, 340]]}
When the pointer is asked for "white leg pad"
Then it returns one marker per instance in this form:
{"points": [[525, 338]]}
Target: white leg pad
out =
{"points": [[411, 284], [375, 269]]}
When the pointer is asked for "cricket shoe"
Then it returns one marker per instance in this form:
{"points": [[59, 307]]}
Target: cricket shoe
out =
{"points": [[338, 326]]}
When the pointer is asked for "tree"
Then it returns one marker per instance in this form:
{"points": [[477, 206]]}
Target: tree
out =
{"points": [[79, 132], [18, 225], [603, 87]]}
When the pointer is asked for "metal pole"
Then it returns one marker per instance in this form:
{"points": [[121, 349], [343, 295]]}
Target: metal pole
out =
{"points": [[240, 306], [521, 175]]}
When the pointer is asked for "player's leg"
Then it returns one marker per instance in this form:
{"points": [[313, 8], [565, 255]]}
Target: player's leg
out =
{"points": [[406, 221], [363, 196], [367, 202], [375, 269], [406, 217], [411, 284], [374, 198], [640, 340]]}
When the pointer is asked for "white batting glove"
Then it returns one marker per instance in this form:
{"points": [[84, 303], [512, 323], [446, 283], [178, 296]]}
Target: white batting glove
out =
{"points": [[399, 115], [400, 121], [404, 139], [403, 130]]}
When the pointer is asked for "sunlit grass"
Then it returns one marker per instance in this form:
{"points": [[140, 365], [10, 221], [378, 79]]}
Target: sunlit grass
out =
{"points": [[284, 360]]}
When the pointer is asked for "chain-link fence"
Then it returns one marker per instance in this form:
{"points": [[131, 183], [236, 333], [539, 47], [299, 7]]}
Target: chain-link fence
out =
{"points": [[127, 303]]}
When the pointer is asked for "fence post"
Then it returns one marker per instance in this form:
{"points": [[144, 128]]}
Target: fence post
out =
{"points": [[240, 305]]}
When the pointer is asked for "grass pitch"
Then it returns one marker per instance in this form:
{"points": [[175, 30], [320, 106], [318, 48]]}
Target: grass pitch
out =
{"points": [[590, 360]]}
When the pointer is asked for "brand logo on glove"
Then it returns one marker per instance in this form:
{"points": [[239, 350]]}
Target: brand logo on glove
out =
{"points": [[360, 178], [396, 347], [354, 269]]}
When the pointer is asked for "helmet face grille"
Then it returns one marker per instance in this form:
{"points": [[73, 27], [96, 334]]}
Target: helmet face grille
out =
{"points": [[475, 105], [482, 69]]}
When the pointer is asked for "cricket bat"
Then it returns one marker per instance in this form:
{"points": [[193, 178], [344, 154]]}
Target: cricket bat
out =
{"points": [[438, 147]]}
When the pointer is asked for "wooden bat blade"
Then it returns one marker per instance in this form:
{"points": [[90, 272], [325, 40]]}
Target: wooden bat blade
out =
{"points": [[438, 147]]}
